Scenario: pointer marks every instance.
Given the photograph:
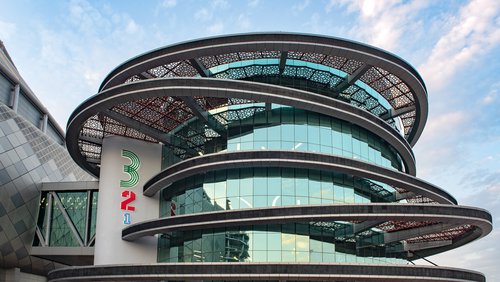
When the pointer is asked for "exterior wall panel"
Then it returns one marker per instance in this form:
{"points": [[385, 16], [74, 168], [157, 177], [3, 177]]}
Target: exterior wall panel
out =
{"points": [[28, 110], [5, 90], [28, 157]]}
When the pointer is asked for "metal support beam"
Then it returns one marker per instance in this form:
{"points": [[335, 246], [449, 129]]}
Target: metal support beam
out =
{"points": [[67, 219], [48, 219], [195, 108], [426, 245], [351, 78], [417, 255], [165, 138], [395, 113], [269, 107], [92, 240], [365, 225], [203, 115], [200, 68], [284, 55], [139, 126], [402, 196], [14, 97], [146, 75], [93, 160], [90, 139], [88, 214], [415, 232], [40, 236], [70, 186]]}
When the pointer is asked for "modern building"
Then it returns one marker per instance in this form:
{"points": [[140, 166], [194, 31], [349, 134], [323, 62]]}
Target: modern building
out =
{"points": [[32, 152], [266, 157]]}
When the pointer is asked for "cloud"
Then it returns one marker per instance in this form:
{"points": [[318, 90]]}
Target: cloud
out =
{"points": [[216, 28], [244, 22], [219, 4], [382, 23], [92, 77], [301, 6], [206, 14], [482, 180], [214, 24], [6, 30], [203, 14], [77, 54], [488, 99], [474, 32], [315, 24], [438, 148], [492, 95], [85, 17], [169, 3], [479, 255], [446, 125], [253, 3]]}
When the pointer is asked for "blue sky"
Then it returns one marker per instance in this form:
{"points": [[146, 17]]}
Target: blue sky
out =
{"points": [[64, 49]]}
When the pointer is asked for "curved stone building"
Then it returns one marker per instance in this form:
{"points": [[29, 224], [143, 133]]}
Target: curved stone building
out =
{"points": [[270, 157]]}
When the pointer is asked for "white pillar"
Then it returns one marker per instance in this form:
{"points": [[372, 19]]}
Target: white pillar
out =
{"points": [[115, 187]]}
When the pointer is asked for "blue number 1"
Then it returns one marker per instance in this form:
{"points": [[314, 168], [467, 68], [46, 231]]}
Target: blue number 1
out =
{"points": [[126, 218]]}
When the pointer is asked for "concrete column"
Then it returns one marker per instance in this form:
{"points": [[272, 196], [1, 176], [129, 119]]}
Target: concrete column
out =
{"points": [[43, 123], [14, 98], [126, 166]]}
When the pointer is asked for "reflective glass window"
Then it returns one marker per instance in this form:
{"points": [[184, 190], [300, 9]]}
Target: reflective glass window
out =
{"points": [[267, 187], [324, 242]]}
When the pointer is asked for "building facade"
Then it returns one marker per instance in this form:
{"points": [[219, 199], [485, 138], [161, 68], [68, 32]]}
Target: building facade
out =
{"points": [[266, 157], [32, 152]]}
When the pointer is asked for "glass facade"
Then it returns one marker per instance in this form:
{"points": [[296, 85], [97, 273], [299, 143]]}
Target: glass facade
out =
{"points": [[316, 242], [266, 187], [74, 205], [252, 127], [260, 126]]}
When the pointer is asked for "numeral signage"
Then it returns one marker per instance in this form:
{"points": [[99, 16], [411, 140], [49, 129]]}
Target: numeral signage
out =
{"points": [[128, 196]]}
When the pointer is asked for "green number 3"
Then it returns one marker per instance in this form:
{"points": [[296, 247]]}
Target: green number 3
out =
{"points": [[130, 169]]}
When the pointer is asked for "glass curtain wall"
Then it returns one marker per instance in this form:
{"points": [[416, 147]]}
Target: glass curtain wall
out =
{"points": [[317, 242], [253, 127], [268, 187], [74, 205], [257, 126]]}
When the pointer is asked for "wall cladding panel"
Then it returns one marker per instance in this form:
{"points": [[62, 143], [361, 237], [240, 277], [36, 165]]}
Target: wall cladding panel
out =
{"points": [[28, 157]]}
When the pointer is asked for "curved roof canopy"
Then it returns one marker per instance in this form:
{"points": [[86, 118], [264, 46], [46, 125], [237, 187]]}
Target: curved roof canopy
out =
{"points": [[363, 76]]}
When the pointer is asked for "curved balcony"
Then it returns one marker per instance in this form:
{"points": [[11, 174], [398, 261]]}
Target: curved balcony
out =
{"points": [[285, 156]]}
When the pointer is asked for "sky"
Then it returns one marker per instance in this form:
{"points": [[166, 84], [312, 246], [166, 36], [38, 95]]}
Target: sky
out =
{"points": [[64, 49]]}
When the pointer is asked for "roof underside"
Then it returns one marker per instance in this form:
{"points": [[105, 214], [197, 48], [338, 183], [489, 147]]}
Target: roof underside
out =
{"points": [[379, 90], [360, 75]]}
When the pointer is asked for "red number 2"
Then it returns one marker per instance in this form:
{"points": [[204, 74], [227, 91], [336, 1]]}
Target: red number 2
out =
{"points": [[129, 198]]}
